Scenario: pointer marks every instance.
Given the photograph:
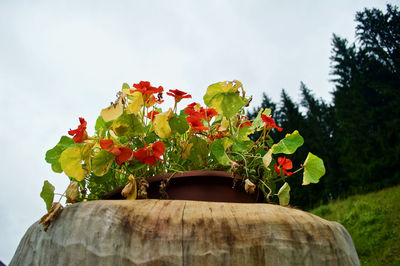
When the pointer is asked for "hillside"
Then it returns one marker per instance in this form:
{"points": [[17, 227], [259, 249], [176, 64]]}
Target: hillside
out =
{"points": [[373, 220]]}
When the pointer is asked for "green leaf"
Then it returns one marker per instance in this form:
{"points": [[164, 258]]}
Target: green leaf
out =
{"points": [[241, 145], [199, 152], [53, 155], [178, 124], [284, 194], [258, 123], [101, 162], [289, 144], [102, 127], [245, 132], [125, 86], [224, 98], [47, 194], [127, 124], [314, 169], [71, 163], [217, 149]]}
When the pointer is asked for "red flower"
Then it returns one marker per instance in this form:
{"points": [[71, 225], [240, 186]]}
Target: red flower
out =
{"points": [[210, 113], [244, 121], [147, 91], [178, 95], [80, 133], [106, 143], [270, 123], [151, 153], [122, 153], [284, 164], [152, 114], [195, 123], [193, 108]]}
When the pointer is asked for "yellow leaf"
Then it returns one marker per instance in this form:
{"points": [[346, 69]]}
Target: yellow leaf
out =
{"points": [[135, 104], [267, 158], [130, 190], [186, 150], [112, 112], [70, 160], [161, 125], [224, 124], [150, 101], [86, 153]]}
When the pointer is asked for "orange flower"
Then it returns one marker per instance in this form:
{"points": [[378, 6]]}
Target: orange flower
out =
{"points": [[152, 114], [210, 113], [80, 133], [270, 123], [151, 153], [284, 164], [122, 153], [146, 89], [195, 123], [178, 95], [243, 122]]}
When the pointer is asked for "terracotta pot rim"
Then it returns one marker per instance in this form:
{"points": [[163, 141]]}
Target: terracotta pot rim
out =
{"points": [[192, 173], [177, 175]]}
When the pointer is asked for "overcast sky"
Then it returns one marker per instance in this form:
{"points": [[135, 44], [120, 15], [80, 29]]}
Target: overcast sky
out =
{"points": [[60, 60]]}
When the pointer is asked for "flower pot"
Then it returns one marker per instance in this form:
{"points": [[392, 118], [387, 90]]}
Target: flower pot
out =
{"points": [[199, 185]]}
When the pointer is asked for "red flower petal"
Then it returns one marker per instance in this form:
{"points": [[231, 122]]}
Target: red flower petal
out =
{"points": [[80, 133], [269, 122], [126, 154], [150, 160], [115, 151], [151, 115], [285, 163], [158, 148], [106, 143], [141, 155]]}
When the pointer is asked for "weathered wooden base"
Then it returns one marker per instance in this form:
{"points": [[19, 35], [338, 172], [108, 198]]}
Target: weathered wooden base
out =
{"points": [[174, 232]]}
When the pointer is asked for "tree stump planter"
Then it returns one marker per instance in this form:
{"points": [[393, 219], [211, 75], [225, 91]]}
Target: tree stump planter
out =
{"points": [[178, 232]]}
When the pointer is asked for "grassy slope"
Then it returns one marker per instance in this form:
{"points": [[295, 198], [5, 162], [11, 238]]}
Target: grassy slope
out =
{"points": [[373, 220]]}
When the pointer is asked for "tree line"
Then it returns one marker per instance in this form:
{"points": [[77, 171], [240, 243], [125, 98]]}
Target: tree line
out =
{"points": [[358, 134]]}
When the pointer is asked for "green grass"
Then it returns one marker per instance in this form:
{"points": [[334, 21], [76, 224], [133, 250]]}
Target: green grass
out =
{"points": [[373, 221]]}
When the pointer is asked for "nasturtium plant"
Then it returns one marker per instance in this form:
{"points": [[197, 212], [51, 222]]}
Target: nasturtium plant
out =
{"points": [[135, 139]]}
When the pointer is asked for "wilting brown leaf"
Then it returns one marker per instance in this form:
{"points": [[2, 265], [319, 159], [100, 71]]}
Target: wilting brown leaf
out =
{"points": [[72, 193], [130, 191], [55, 210], [249, 186]]}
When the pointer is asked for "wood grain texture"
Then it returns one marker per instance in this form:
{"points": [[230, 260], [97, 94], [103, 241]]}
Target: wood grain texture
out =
{"points": [[174, 232]]}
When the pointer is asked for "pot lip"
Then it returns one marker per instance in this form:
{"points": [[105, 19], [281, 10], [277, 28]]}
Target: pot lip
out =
{"points": [[194, 173], [184, 174]]}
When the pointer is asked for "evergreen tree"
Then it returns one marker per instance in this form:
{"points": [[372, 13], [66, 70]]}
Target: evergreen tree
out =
{"points": [[366, 99]]}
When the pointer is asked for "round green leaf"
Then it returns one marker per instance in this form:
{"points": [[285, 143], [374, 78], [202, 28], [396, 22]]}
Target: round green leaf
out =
{"points": [[101, 162], [314, 169], [178, 124], [53, 155], [289, 144], [217, 149], [224, 98]]}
